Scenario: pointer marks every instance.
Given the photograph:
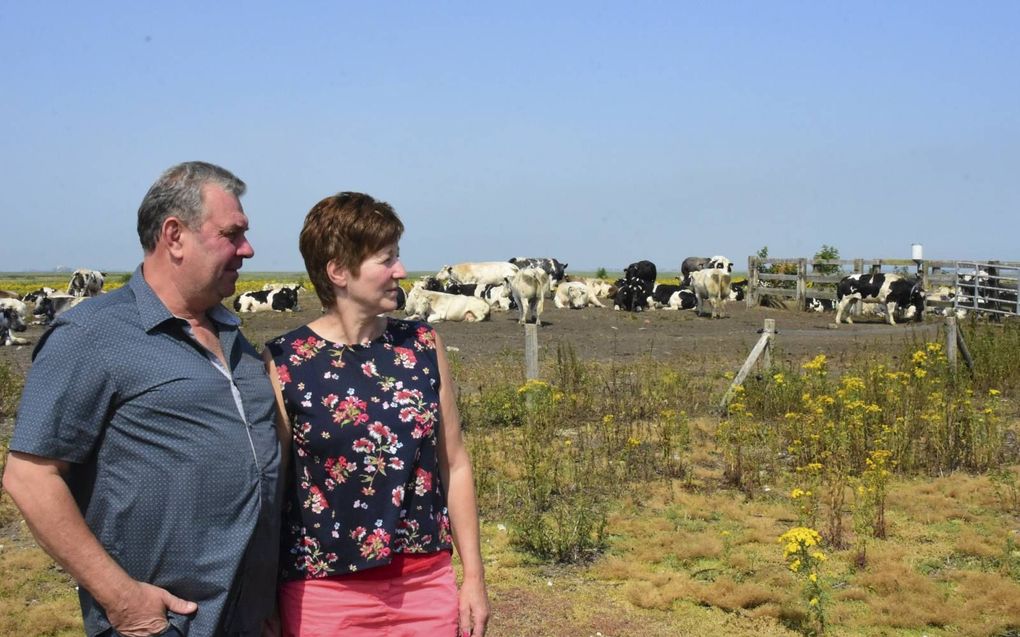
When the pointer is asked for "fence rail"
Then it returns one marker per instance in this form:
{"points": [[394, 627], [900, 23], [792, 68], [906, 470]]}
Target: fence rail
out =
{"points": [[978, 286]]}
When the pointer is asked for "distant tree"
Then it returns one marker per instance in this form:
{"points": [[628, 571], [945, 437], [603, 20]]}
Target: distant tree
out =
{"points": [[601, 273], [763, 254], [827, 252]]}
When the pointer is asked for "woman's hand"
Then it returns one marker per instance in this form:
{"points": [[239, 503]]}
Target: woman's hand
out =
{"points": [[474, 607]]}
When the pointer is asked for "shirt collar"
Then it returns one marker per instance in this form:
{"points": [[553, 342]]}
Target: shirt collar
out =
{"points": [[153, 312]]}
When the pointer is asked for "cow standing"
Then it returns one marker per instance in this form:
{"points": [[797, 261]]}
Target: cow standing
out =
{"points": [[85, 283], [529, 287], [552, 267], [712, 285], [482, 273], [894, 291]]}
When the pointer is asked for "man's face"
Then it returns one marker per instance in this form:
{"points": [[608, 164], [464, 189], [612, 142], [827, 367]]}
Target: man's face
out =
{"points": [[216, 249]]}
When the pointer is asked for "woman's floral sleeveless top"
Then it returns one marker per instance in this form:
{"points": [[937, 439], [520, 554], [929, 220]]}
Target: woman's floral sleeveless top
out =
{"points": [[364, 459]]}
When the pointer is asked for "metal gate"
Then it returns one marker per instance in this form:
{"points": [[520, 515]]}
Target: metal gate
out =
{"points": [[989, 287]]}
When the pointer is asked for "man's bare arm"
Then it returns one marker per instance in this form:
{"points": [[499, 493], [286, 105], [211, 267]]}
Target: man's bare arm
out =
{"points": [[38, 488]]}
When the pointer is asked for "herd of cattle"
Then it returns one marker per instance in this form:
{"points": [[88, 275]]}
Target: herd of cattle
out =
{"points": [[472, 291]]}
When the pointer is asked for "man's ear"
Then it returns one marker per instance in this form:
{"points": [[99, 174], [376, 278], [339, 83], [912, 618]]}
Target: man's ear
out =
{"points": [[338, 275], [171, 234]]}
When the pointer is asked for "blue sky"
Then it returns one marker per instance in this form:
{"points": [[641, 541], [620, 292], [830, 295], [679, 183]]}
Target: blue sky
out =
{"points": [[599, 133]]}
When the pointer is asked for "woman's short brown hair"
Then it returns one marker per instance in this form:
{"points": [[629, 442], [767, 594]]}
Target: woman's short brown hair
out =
{"points": [[347, 228]]}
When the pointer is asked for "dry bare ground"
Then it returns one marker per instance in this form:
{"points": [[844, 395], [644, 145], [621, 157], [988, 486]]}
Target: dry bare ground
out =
{"points": [[603, 334]]}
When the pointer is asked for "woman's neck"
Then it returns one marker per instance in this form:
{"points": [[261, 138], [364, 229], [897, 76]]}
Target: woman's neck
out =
{"points": [[348, 327]]}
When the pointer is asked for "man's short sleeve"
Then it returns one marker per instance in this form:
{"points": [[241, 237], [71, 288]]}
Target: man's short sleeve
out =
{"points": [[66, 397]]}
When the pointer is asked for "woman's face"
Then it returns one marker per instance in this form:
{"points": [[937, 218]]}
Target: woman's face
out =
{"points": [[376, 285]]}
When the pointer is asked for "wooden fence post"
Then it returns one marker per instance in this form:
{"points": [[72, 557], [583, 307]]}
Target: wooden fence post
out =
{"points": [[962, 345], [763, 346], [951, 340], [769, 330], [530, 351], [802, 284], [751, 296]]}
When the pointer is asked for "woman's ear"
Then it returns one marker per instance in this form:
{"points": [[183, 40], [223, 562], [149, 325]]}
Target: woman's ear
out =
{"points": [[338, 275]]}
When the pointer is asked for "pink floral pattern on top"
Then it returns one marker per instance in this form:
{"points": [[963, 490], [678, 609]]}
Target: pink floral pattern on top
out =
{"points": [[365, 421]]}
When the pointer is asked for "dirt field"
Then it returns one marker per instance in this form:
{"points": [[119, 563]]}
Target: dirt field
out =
{"points": [[603, 334]]}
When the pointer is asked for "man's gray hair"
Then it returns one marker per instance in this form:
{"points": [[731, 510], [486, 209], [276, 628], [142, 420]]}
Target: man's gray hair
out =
{"points": [[178, 193]]}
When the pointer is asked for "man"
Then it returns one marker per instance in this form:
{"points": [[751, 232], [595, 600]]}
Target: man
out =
{"points": [[144, 457]]}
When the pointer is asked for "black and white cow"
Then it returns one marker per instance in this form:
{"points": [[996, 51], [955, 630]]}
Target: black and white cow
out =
{"points": [[12, 319], [282, 300], [37, 295], [820, 305], [661, 294], [631, 295], [642, 270], [633, 290], [463, 289], [892, 290], [54, 305], [432, 284], [85, 283], [683, 299], [738, 290], [552, 267], [498, 296]]}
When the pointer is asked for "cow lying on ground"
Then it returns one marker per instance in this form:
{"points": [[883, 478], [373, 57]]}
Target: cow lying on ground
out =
{"points": [[54, 305], [281, 300], [661, 294], [37, 295], [891, 290], [529, 287], [440, 306], [464, 289], [598, 288], [738, 290], [712, 285], [277, 286], [552, 267], [85, 283], [575, 295], [7, 294], [499, 297], [819, 305], [12, 319], [633, 290], [482, 273], [683, 299], [631, 295]]}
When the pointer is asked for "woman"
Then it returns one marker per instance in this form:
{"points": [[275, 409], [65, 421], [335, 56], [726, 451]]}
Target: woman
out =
{"points": [[381, 477]]}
